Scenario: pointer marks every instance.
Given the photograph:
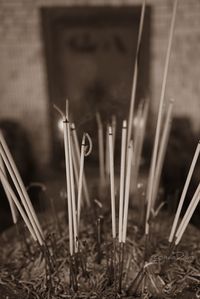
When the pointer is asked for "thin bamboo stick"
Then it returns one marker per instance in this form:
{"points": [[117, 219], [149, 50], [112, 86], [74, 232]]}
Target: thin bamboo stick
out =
{"points": [[122, 177], [107, 163], [127, 190], [74, 159], [77, 153], [74, 215], [114, 125], [112, 180], [69, 201], [80, 183], [71, 178], [101, 151]]}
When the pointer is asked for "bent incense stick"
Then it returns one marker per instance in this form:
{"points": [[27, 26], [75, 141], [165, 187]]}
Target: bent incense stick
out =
{"points": [[159, 121]]}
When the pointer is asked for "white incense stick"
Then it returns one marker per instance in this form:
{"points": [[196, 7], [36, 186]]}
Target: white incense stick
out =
{"points": [[12, 206], [112, 181], [75, 165], [12, 169], [71, 178], [162, 151], [127, 190], [188, 215], [77, 154], [114, 125], [69, 201], [101, 150], [135, 74], [18, 205], [122, 177], [189, 176], [137, 136], [80, 183], [159, 121], [107, 163], [143, 121]]}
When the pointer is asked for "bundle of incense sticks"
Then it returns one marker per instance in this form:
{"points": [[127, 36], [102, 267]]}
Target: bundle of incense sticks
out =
{"points": [[74, 159], [25, 208]]}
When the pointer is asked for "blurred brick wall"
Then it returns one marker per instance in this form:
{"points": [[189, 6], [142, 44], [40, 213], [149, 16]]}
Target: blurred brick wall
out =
{"points": [[23, 85]]}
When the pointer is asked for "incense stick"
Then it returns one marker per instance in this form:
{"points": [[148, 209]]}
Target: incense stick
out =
{"points": [[127, 191], [107, 163], [114, 125], [138, 154], [137, 136], [122, 177], [135, 73], [71, 243], [20, 209], [74, 216], [162, 151], [188, 179], [12, 206], [77, 153], [81, 177], [188, 215], [159, 120], [112, 180], [10, 165], [74, 158], [101, 151]]}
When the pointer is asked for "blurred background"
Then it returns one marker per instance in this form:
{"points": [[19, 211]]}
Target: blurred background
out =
{"points": [[84, 50]]}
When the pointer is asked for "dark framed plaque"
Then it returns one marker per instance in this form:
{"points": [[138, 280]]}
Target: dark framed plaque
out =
{"points": [[90, 53]]}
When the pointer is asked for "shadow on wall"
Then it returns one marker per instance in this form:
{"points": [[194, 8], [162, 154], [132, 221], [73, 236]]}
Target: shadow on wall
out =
{"points": [[20, 148]]}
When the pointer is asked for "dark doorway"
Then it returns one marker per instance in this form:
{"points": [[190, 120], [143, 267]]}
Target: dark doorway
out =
{"points": [[90, 54]]}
